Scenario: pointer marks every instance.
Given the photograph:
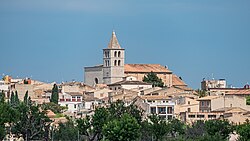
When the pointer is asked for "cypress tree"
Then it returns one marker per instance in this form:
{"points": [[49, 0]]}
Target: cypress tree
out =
{"points": [[16, 99], [25, 99], [54, 95], [12, 98]]}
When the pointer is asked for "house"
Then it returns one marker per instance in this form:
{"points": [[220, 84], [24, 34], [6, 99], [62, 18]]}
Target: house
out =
{"points": [[129, 84], [215, 107], [186, 104], [160, 105], [207, 84], [72, 100]]}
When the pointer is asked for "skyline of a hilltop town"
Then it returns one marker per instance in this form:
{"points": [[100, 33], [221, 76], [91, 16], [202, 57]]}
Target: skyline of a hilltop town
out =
{"points": [[54, 40]]}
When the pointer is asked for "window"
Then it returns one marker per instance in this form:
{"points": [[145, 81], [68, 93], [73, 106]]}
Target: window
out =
{"points": [[119, 54], [200, 116], [115, 53], [119, 62], [189, 110], [188, 102], [96, 80], [208, 103], [75, 105], [153, 110], [170, 110], [115, 62], [67, 105], [202, 103], [191, 116], [162, 110], [211, 116]]}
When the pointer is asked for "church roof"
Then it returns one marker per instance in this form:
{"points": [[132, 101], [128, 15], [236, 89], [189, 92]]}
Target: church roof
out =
{"points": [[146, 68], [114, 44], [177, 81]]}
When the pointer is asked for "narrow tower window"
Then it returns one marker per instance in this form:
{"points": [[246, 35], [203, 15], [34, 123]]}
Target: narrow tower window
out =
{"points": [[119, 62], [96, 80], [115, 53], [119, 54], [115, 62]]}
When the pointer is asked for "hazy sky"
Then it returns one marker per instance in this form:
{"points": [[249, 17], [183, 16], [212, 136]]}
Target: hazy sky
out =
{"points": [[52, 40]]}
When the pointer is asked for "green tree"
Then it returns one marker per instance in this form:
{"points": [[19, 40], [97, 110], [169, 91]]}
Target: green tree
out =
{"points": [[92, 127], [158, 127], [118, 108], [153, 79], [66, 131], [32, 123], [124, 129], [17, 101], [53, 107], [244, 131], [54, 95], [12, 98], [25, 99], [220, 127], [248, 100], [196, 130], [201, 93], [176, 127]]}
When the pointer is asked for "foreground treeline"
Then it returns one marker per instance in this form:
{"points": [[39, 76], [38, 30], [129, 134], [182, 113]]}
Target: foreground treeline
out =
{"points": [[126, 123], [117, 122]]}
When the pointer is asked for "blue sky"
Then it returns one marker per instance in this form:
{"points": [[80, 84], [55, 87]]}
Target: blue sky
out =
{"points": [[52, 40]]}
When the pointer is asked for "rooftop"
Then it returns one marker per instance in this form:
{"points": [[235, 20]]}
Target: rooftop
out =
{"points": [[178, 81], [208, 98], [239, 92], [155, 97], [114, 44], [132, 82], [146, 68]]}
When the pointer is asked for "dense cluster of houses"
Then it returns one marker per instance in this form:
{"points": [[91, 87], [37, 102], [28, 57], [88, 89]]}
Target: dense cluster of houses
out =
{"points": [[168, 102]]}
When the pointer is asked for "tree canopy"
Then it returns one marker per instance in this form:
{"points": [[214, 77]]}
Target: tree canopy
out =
{"points": [[153, 79]]}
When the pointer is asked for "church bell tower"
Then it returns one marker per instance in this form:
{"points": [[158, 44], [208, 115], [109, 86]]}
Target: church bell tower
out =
{"points": [[113, 61]]}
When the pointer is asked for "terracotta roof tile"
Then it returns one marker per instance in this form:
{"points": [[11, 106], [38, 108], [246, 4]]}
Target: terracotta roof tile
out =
{"points": [[155, 97], [239, 92], [145, 68], [177, 81]]}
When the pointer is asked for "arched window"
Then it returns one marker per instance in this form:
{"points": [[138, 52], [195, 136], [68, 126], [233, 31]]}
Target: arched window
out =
{"points": [[108, 62], [115, 53], [115, 62], [119, 54], [119, 62], [96, 80], [108, 54]]}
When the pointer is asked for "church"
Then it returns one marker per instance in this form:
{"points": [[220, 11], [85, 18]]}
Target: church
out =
{"points": [[114, 68]]}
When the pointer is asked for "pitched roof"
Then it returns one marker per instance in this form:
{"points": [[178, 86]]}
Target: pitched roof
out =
{"points": [[208, 98], [155, 97], [132, 82], [114, 44], [239, 92], [177, 81], [145, 68]]}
